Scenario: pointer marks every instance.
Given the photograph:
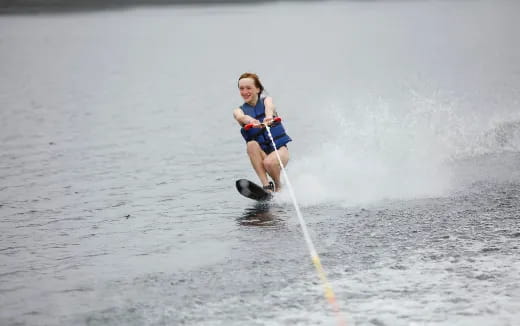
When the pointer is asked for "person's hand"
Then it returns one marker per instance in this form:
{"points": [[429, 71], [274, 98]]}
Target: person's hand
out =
{"points": [[268, 120], [255, 123]]}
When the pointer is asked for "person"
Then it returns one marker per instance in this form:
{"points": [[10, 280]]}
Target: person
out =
{"points": [[258, 109]]}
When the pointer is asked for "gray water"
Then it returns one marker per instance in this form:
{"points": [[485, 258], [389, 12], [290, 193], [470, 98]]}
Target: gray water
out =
{"points": [[119, 154]]}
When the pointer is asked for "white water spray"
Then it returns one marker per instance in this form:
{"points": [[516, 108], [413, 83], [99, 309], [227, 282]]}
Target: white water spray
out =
{"points": [[377, 150]]}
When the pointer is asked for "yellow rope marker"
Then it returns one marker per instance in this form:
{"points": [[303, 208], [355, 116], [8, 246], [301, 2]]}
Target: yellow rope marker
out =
{"points": [[329, 293]]}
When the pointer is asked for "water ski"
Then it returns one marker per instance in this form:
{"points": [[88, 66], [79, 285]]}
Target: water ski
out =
{"points": [[252, 190]]}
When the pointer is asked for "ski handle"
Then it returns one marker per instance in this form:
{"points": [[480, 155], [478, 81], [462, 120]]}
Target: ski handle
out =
{"points": [[249, 126]]}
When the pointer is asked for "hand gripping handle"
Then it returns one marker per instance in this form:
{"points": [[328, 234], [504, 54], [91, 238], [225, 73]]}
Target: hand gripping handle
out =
{"points": [[249, 126]]}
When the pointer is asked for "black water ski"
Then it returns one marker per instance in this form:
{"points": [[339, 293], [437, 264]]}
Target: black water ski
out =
{"points": [[252, 190]]}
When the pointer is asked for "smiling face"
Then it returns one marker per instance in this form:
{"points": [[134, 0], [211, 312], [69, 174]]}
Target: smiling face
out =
{"points": [[248, 90]]}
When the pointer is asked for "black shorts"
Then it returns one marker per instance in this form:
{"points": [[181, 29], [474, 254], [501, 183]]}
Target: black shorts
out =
{"points": [[272, 150]]}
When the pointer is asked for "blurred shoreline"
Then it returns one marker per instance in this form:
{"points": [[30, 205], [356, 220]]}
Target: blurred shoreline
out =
{"points": [[62, 6]]}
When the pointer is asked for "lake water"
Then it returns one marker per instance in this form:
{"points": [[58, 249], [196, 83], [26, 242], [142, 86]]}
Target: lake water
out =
{"points": [[119, 153]]}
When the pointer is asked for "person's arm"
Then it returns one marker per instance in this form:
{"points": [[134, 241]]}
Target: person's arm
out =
{"points": [[269, 109], [244, 119]]}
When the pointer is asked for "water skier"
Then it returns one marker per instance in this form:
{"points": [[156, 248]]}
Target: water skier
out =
{"points": [[258, 109]]}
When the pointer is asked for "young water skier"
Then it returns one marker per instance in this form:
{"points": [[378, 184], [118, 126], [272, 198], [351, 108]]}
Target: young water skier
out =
{"points": [[258, 109]]}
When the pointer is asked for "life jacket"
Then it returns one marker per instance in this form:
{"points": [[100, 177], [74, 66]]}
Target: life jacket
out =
{"points": [[260, 134]]}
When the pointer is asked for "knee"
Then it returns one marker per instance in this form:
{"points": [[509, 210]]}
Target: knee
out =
{"points": [[270, 163], [252, 147]]}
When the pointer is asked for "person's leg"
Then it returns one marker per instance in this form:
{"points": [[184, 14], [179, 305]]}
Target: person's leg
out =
{"points": [[272, 166], [257, 155]]}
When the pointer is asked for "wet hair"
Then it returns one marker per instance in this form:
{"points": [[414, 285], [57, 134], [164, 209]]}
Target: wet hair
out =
{"points": [[255, 78]]}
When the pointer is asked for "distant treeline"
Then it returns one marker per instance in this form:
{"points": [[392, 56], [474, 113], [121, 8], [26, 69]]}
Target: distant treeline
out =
{"points": [[57, 5]]}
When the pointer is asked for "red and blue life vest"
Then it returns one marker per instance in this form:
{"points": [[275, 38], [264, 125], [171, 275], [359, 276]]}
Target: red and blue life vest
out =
{"points": [[260, 135]]}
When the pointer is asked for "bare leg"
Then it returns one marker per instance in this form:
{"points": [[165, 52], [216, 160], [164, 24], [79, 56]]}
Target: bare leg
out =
{"points": [[257, 156], [272, 166]]}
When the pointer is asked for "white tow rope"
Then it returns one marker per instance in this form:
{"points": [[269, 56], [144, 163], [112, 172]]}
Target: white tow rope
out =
{"points": [[329, 293]]}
